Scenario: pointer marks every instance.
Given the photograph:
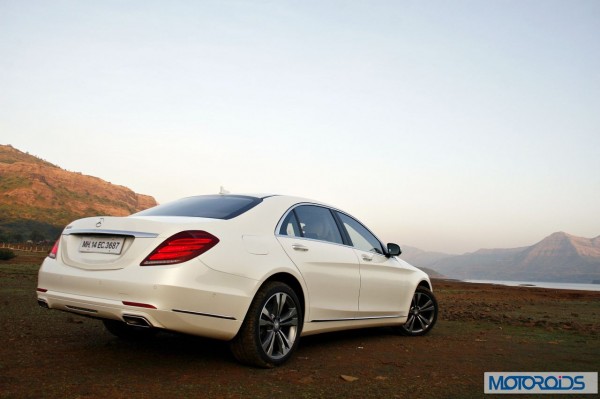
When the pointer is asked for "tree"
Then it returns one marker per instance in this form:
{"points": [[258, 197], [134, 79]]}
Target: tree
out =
{"points": [[36, 236], [6, 254]]}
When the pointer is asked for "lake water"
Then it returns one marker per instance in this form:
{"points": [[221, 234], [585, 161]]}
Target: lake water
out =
{"points": [[558, 286]]}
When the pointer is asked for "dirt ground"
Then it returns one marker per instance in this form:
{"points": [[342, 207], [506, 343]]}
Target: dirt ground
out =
{"points": [[50, 354]]}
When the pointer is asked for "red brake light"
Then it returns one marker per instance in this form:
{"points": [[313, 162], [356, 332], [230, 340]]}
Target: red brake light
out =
{"points": [[181, 247], [54, 251]]}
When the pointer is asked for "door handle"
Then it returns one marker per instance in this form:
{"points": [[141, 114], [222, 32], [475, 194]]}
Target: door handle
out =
{"points": [[299, 247], [367, 258]]}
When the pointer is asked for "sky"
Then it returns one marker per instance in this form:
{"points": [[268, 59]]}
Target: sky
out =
{"points": [[445, 125]]}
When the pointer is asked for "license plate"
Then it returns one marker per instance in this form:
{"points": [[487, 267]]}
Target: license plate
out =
{"points": [[102, 245]]}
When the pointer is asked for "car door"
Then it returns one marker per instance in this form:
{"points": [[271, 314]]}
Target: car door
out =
{"points": [[311, 238], [383, 281]]}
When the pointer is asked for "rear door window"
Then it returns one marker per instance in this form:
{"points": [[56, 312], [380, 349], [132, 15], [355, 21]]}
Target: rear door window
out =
{"points": [[317, 223], [290, 226]]}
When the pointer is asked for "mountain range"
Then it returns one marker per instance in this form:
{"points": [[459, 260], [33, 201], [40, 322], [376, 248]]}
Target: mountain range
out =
{"points": [[37, 198], [560, 257]]}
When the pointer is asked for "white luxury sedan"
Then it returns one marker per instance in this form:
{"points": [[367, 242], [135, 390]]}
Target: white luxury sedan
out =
{"points": [[258, 271]]}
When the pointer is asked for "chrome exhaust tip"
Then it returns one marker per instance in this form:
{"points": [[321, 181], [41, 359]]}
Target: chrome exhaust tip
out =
{"points": [[137, 321], [43, 304]]}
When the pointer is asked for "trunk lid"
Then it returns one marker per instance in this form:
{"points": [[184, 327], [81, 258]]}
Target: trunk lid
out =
{"points": [[111, 243]]}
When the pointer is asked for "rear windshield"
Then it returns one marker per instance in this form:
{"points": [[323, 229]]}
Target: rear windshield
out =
{"points": [[205, 206]]}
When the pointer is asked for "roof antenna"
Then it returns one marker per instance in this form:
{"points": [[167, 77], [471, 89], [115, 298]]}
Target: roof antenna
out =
{"points": [[223, 191]]}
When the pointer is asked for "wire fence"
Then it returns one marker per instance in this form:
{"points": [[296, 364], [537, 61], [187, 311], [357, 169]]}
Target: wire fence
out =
{"points": [[26, 247]]}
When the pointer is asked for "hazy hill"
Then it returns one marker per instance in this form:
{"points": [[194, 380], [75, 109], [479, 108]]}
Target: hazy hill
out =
{"points": [[36, 195], [559, 257], [421, 258]]}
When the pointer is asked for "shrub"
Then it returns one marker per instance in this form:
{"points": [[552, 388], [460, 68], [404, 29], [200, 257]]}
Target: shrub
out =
{"points": [[6, 254]]}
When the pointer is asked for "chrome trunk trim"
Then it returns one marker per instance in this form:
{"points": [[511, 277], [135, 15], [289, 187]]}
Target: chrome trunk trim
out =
{"points": [[137, 234]]}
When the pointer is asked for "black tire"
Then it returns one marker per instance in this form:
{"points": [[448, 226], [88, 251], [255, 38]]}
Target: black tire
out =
{"points": [[271, 330], [130, 333], [422, 314]]}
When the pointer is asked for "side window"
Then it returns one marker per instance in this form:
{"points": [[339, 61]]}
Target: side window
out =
{"points": [[318, 223], [289, 226], [359, 235]]}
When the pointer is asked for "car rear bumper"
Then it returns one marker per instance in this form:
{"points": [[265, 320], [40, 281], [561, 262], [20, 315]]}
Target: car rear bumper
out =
{"points": [[213, 306]]}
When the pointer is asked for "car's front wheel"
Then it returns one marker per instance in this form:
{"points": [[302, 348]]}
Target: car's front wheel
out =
{"points": [[422, 314], [271, 329]]}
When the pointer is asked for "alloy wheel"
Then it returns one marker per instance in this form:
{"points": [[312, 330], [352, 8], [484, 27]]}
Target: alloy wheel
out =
{"points": [[422, 314], [278, 325]]}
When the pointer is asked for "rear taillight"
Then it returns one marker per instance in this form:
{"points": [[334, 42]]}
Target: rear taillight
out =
{"points": [[54, 251], [180, 248]]}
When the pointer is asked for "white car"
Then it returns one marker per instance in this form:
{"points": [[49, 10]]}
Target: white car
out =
{"points": [[259, 271]]}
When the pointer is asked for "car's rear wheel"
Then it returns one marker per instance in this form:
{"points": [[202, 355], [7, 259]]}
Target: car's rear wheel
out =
{"points": [[422, 314], [271, 329], [127, 332]]}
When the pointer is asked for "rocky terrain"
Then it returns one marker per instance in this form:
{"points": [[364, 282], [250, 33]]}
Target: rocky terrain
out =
{"points": [[481, 327]]}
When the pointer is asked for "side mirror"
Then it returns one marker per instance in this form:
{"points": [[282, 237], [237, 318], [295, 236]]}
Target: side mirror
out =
{"points": [[393, 249]]}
